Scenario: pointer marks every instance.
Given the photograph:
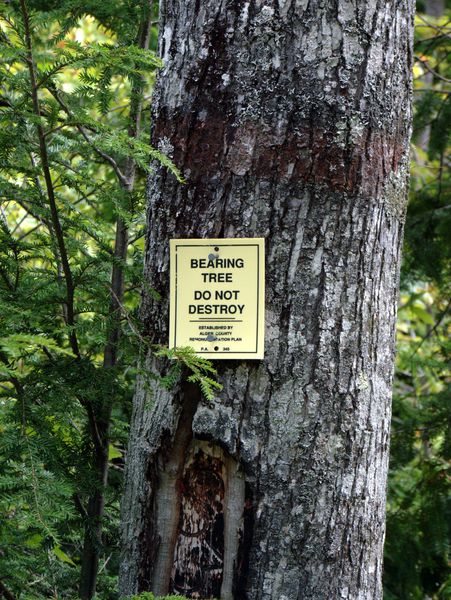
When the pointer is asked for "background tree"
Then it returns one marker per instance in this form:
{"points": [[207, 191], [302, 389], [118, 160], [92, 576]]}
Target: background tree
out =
{"points": [[418, 518], [289, 124]]}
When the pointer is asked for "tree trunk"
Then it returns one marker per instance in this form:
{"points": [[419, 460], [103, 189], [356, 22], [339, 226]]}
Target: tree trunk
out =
{"points": [[435, 8], [290, 121]]}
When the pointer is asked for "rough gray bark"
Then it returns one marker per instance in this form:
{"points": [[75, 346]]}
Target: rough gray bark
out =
{"points": [[290, 121]]}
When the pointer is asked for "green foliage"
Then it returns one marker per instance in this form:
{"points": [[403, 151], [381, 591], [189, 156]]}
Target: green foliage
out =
{"points": [[419, 510], [200, 370], [429, 215], [60, 209]]}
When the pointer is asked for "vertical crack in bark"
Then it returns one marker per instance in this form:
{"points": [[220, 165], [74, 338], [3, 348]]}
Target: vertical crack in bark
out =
{"points": [[168, 497], [234, 503], [244, 546]]}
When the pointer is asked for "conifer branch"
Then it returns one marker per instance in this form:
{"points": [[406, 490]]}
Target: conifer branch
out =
{"points": [[90, 560], [5, 278], [84, 132], [49, 184]]}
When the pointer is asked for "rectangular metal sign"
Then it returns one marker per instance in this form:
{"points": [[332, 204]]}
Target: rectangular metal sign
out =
{"points": [[218, 296]]}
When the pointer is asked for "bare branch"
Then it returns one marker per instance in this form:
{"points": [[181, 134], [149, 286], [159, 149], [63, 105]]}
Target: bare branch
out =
{"points": [[425, 64]]}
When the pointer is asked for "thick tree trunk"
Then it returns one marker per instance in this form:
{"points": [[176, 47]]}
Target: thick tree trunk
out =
{"points": [[290, 121]]}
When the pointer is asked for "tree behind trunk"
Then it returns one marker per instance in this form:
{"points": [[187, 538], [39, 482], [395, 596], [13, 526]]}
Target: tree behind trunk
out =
{"points": [[291, 122]]}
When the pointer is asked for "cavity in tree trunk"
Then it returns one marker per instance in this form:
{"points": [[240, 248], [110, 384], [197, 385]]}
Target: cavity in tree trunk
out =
{"points": [[290, 121]]}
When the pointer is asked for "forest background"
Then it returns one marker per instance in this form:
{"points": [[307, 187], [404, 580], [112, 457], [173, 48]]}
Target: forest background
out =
{"points": [[75, 89]]}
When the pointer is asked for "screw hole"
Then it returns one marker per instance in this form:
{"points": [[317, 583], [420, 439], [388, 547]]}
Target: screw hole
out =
{"points": [[216, 249], [216, 348]]}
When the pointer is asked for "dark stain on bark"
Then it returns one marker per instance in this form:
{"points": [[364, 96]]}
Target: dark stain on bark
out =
{"points": [[208, 151], [204, 78]]}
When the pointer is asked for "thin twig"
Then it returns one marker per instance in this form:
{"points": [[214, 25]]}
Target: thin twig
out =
{"points": [[424, 62], [442, 315], [83, 130], [439, 28]]}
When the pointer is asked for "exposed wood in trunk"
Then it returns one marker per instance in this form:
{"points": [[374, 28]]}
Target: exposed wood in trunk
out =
{"points": [[290, 121], [198, 558], [169, 497]]}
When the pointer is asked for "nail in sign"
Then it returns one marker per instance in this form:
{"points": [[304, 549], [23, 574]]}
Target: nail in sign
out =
{"points": [[218, 297]]}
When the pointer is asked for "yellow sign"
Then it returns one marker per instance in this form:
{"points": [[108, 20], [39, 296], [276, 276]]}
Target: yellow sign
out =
{"points": [[218, 297]]}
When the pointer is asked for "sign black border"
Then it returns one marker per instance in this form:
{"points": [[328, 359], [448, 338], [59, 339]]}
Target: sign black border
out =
{"points": [[258, 294]]}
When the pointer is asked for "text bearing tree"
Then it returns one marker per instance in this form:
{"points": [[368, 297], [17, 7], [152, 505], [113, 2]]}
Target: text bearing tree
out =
{"points": [[290, 121]]}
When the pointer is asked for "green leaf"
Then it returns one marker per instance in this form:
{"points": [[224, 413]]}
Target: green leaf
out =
{"points": [[422, 315], [62, 556], [34, 541]]}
